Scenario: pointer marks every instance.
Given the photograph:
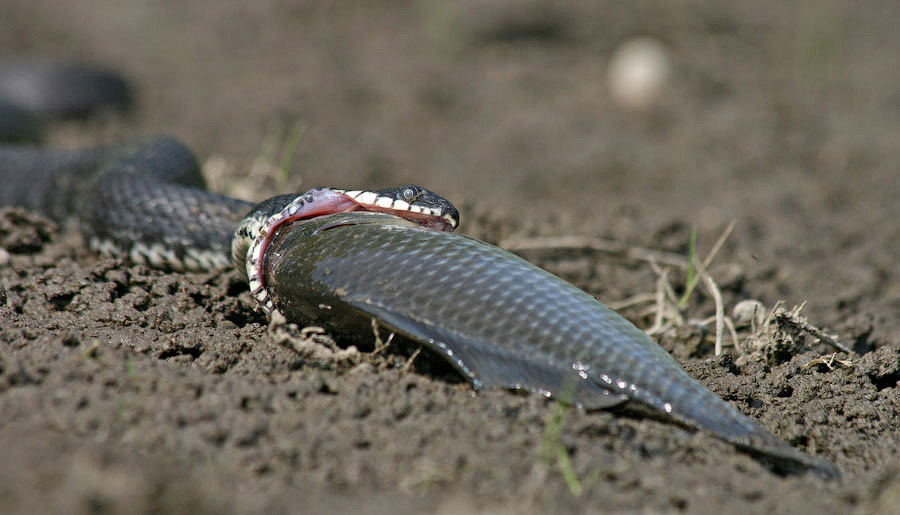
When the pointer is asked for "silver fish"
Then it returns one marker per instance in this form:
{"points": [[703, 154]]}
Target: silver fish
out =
{"points": [[500, 321]]}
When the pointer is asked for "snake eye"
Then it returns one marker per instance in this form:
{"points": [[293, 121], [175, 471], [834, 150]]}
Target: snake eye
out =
{"points": [[409, 194]]}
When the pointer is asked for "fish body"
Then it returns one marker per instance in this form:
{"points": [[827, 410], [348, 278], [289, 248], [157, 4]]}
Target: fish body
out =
{"points": [[501, 321]]}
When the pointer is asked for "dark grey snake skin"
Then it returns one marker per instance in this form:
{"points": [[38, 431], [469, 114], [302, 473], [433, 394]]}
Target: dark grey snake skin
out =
{"points": [[499, 320], [33, 91], [144, 199]]}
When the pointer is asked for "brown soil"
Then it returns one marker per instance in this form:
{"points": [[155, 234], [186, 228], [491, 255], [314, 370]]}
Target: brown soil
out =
{"points": [[130, 390]]}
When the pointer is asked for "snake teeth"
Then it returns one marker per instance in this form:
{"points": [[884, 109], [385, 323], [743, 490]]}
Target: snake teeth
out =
{"points": [[376, 199], [254, 273], [367, 197], [295, 206], [255, 231]]}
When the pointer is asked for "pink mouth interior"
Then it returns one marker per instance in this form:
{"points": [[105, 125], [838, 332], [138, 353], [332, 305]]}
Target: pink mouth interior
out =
{"points": [[340, 203], [328, 202]]}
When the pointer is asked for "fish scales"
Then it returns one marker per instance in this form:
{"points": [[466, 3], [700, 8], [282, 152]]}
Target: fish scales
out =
{"points": [[500, 320]]}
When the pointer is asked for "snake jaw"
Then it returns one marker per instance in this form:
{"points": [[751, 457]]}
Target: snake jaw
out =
{"points": [[255, 272], [412, 202], [256, 231], [313, 203]]}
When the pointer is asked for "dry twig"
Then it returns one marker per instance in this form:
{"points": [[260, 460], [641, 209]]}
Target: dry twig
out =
{"points": [[829, 362], [792, 318], [310, 342], [780, 332], [380, 345]]}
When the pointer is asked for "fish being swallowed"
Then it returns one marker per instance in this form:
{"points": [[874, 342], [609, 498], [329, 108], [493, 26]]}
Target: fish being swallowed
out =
{"points": [[499, 320]]}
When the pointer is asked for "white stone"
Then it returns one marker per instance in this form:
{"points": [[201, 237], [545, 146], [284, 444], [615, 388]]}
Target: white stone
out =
{"points": [[638, 73]]}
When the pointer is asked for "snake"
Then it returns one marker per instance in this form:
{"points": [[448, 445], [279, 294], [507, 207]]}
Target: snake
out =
{"points": [[345, 258]]}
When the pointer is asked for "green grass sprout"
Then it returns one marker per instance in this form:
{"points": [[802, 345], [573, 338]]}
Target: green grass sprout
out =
{"points": [[552, 450], [287, 151], [692, 277]]}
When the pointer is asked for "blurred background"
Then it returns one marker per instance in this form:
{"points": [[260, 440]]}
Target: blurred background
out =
{"points": [[609, 118], [508, 103]]}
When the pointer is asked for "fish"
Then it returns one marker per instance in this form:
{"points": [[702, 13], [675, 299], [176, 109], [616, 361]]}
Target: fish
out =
{"points": [[500, 321]]}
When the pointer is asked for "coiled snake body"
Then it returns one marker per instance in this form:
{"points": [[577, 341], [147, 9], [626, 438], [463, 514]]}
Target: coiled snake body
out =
{"points": [[343, 258]]}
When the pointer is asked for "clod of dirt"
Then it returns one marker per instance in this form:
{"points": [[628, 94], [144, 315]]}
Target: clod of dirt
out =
{"points": [[24, 231]]}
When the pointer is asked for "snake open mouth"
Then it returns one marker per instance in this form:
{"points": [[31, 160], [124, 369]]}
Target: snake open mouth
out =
{"points": [[410, 202]]}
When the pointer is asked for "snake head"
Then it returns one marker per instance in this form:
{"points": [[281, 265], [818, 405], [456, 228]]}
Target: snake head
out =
{"points": [[253, 235], [412, 202]]}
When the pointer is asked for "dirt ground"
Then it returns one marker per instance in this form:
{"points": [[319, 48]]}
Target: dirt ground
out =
{"points": [[129, 390]]}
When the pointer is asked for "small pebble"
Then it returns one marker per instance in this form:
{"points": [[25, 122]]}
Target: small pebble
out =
{"points": [[4, 257], [638, 72], [745, 310]]}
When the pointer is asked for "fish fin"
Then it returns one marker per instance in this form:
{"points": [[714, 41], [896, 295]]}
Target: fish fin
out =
{"points": [[488, 366], [783, 458]]}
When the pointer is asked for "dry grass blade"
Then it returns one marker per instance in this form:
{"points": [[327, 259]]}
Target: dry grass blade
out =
{"points": [[829, 362], [779, 333], [640, 298], [380, 344], [718, 245], [720, 308], [609, 247], [734, 337], [661, 280]]}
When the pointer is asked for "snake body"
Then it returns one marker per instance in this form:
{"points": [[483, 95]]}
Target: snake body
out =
{"points": [[343, 258], [143, 199], [34, 90]]}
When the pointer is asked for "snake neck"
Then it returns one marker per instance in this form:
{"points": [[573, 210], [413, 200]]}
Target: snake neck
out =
{"points": [[252, 225]]}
